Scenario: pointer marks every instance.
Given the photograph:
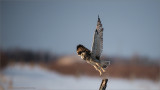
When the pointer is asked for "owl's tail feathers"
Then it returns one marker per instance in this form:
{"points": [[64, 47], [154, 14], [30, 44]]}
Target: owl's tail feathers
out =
{"points": [[105, 64]]}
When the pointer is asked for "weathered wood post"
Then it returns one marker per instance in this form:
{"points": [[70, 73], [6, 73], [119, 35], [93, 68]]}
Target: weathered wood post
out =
{"points": [[103, 84]]}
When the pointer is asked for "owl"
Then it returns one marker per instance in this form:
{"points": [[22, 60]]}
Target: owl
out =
{"points": [[93, 57]]}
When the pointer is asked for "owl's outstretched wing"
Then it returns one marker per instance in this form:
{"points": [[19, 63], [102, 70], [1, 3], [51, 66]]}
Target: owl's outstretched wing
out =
{"points": [[97, 45]]}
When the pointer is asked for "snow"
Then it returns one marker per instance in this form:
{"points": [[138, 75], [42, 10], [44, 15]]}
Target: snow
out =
{"points": [[37, 78]]}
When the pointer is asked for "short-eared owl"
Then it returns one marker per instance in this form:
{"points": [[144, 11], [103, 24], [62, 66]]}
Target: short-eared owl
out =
{"points": [[93, 57]]}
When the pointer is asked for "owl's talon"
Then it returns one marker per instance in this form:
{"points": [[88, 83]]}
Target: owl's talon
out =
{"points": [[103, 70], [95, 67], [100, 74], [97, 64]]}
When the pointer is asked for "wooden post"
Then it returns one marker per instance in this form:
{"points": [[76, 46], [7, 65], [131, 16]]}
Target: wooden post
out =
{"points": [[103, 84]]}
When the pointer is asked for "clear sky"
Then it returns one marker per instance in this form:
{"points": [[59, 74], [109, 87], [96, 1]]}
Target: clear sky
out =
{"points": [[130, 26]]}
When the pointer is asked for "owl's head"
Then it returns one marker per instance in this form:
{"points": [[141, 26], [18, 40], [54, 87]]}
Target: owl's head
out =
{"points": [[81, 49]]}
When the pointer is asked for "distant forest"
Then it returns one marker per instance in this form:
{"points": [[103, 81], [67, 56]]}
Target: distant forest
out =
{"points": [[133, 67]]}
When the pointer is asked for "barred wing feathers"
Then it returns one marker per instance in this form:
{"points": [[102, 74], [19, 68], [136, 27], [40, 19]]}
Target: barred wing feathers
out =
{"points": [[97, 45]]}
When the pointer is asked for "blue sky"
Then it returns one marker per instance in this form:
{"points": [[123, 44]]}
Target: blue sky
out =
{"points": [[130, 26]]}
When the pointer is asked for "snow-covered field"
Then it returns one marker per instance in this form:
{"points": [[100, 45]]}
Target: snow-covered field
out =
{"points": [[36, 78]]}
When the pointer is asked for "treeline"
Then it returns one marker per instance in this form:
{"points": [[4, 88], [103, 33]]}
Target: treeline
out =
{"points": [[133, 67], [136, 67], [27, 56]]}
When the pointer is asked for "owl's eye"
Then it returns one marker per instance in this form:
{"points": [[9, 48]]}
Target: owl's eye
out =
{"points": [[79, 53]]}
